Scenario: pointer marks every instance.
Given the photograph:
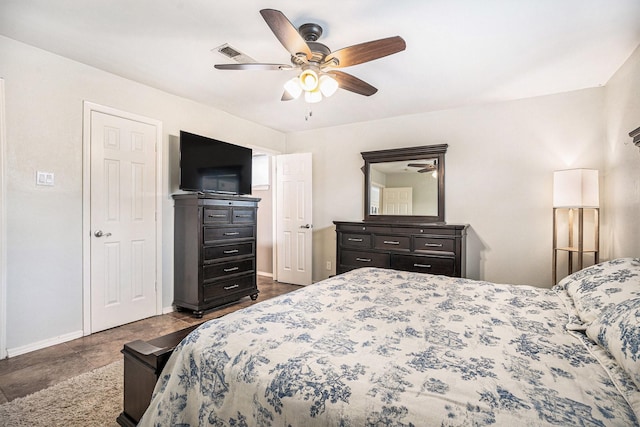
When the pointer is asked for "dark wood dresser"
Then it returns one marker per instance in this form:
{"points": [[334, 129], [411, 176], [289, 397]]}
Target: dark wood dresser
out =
{"points": [[214, 250], [425, 248]]}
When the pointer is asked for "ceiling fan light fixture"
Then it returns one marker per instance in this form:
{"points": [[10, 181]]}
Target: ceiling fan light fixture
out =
{"points": [[313, 58], [313, 96], [293, 87], [328, 85], [309, 80]]}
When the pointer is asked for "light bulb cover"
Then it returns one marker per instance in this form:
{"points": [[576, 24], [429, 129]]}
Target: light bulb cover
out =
{"points": [[313, 96], [293, 87], [309, 80], [328, 85]]}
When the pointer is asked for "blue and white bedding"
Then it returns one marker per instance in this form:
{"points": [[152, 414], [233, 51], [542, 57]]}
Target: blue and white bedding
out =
{"points": [[377, 347]]}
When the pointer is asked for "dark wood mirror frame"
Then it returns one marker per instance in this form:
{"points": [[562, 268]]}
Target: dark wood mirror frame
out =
{"points": [[410, 153]]}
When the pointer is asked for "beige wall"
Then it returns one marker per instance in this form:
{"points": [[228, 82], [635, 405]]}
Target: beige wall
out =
{"points": [[44, 104], [621, 234], [499, 168]]}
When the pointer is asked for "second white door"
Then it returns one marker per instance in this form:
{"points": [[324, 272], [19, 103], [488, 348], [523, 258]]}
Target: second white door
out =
{"points": [[397, 201], [294, 233]]}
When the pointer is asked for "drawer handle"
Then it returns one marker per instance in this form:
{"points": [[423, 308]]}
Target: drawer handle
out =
{"points": [[228, 270], [217, 216], [232, 233], [244, 216], [433, 245], [422, 265], [391, 242], [363, 259], [351, 239], [226, 288], [232, 251]]}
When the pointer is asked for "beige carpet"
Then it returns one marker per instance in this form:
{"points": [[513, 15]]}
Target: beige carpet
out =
{"points": [[90, 399]]}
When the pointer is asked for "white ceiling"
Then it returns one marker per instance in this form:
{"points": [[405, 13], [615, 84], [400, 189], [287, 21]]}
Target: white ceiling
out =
{"points": [[459, 52]]}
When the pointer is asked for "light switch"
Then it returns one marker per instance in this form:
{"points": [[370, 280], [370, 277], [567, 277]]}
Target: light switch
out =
{"points": [[44, 178]]}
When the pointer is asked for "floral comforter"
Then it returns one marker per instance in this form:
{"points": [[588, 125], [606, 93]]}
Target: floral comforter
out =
{"points": [[376, 347]]}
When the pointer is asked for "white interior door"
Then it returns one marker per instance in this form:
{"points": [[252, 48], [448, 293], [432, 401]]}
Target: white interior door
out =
{"points": [[397, 201], [294, 223], [123, 220]]}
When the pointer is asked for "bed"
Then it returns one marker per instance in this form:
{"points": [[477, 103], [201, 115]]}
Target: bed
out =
{"points": [[378, 347]]}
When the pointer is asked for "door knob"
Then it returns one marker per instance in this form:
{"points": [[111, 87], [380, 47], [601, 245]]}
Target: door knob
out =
{"points": [[306, 226], [99, 233]]}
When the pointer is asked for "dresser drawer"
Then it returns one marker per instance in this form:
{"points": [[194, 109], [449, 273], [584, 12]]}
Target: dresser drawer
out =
{"points": [[222, 288], [364, 229], [215, 271], [356, 240], [365, 259], [433, 244], [212, 253], [216, 215], [212, 234], [393, 243], [244, 216], [423, 264]]}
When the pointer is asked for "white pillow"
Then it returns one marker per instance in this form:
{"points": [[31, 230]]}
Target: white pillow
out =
{"points": [[596, 288], [617, 330]]}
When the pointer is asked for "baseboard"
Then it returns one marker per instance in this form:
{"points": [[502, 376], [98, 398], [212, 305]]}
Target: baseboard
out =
{"points": [[264, 273], [12, 352], [167, 310]]}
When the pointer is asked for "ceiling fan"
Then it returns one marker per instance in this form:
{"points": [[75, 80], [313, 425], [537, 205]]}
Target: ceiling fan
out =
{"points": [[425, 167], [316, 61]]}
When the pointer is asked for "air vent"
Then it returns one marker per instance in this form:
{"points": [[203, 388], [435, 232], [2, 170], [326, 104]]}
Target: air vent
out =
{"points": [[233, 53], [229, 51]]}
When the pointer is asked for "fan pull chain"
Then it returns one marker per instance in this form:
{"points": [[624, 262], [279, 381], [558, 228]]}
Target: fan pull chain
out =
{"points": [[308, 115]]}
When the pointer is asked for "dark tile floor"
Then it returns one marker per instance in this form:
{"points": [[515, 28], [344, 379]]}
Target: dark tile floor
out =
{"points": [[28, 373]]}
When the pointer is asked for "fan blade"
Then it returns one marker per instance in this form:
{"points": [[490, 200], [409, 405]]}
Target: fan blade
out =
{"points": [[365, 52], [352, 83], [254, 66], [286, 33]]}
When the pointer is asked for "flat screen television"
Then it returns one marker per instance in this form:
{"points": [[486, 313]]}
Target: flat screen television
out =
{"points": [[211, 166]]}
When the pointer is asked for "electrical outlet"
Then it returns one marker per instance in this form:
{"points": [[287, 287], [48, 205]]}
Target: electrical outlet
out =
{"points": [[328, 265], [44, 178]]}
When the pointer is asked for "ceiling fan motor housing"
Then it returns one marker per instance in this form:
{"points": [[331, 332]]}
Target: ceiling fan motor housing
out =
{"points": [[310, 33]]}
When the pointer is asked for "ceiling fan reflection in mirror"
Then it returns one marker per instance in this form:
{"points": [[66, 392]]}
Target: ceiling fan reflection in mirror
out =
{"points": [[318, 77], [424, 167]]}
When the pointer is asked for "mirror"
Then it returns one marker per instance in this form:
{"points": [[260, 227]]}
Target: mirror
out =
{"points": [[405, 184]]}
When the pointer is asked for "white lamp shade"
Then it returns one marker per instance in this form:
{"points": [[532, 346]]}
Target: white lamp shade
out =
{"points": [[576, 188]]}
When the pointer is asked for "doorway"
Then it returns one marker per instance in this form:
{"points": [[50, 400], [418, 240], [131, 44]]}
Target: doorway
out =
{"points": [[122, 234], [294, 223]]}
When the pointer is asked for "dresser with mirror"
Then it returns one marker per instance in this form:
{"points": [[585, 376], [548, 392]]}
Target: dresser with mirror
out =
{"points": [[403, 226]]}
